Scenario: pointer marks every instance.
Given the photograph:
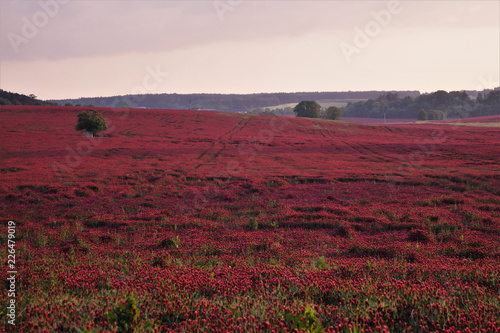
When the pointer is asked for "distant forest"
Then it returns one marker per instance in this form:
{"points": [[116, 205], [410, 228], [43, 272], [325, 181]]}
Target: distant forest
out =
{"points": [[223, 102], [367, 104], [455, 104], [9, 98]]}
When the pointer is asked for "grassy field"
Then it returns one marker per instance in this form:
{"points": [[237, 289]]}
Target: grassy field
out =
{"points": [[192, 221]]}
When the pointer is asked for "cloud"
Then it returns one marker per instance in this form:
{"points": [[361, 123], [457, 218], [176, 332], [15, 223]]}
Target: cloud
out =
{"points": [[90, 28], [102, 47]]}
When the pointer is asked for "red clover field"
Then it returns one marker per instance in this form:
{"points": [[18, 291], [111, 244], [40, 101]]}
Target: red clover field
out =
{"points": [[197, 221]]}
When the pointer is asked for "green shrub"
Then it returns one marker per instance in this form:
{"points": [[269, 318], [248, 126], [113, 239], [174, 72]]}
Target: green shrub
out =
{"points": [[422, 115], [305, 322], [125, 315], [334, 113], [253, 224]]}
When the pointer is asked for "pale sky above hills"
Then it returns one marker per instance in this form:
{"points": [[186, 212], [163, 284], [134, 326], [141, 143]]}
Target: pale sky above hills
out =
{"points": [[70, 49]]}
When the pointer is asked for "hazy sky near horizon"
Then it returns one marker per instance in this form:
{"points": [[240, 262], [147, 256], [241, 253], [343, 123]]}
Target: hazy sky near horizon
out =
{"points": [[81, 48]]}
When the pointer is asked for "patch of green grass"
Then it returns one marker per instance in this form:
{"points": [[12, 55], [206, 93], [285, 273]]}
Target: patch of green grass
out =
{"points": [[171, 243], [307, 321], [253, 224]]}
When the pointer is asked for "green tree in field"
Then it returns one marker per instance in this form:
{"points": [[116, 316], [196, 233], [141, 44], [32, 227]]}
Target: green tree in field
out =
{"points": [[92, 122], [334, 113], [422, 115], [441, 115], [436, 115], [308, 109]]}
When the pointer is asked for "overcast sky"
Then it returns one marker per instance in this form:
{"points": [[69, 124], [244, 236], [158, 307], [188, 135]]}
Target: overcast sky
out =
{"points": [[74, 48]]}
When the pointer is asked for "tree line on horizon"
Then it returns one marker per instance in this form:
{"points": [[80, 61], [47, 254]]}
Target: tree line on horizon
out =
{"points": [[224, 102], [434, 106], [10, 98], [373, 104]]}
